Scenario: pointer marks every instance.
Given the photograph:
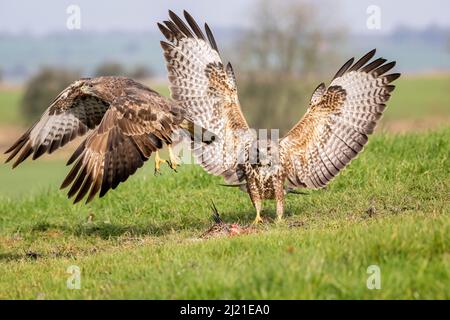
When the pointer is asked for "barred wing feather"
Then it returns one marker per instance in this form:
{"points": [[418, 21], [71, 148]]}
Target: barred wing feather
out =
{"points": [[338, 122], [70, 115], [206, 89]]}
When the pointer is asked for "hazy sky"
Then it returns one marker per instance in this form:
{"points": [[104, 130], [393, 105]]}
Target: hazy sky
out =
{"points": [[139, 15]]}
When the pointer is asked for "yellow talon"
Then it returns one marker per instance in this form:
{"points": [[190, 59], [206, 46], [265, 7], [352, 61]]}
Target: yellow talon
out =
{"points": [[158, 161], [257, 220], [173, 161]]}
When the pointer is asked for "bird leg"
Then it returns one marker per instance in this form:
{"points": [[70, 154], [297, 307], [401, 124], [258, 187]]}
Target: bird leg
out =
{"points": [[257, 204], [173, 160], [280, 209], [158, 161]]}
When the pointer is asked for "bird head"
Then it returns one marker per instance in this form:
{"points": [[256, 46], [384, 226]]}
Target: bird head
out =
{"points": [[92, 87], [104, 88]]}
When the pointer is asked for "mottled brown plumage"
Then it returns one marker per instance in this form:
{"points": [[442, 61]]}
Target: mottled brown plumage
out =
{"points": [[128, 120], [331, 133]]}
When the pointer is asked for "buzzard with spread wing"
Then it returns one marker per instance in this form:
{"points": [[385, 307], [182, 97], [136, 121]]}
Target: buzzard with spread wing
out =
{"points": [[333, 131], [128, 121]]}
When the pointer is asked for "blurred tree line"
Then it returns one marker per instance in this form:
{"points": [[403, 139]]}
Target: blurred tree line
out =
{"points": [[43, 88], [139, 72], [288, 51]]}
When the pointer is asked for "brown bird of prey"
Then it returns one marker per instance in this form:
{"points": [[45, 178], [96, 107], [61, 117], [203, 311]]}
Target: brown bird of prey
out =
{"points": [[128, 120], [335, 128]]}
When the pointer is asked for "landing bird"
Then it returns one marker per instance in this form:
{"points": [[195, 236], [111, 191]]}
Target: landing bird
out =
{"points": [[335, 128], [128, 120]]}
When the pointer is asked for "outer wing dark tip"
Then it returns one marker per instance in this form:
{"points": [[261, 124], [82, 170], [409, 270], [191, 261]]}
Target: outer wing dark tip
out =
{"points": [[173, 15], [321, 85], [90, 198], [8, 160], [161, 26], [165, 45], [344, 68], [393, 76], [103, 192], [211, 39], [39, 151], [191, 21], [184, 29], [77, 199]]}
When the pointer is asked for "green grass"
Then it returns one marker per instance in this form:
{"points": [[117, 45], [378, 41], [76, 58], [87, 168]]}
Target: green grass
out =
{"points": [[30, 177], [389, 208], [419, 97], [9, 106]]}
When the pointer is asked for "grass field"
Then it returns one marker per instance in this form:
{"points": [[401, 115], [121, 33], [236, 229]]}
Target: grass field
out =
{"points": [[419, 97], [390, 208], [9, 106]]}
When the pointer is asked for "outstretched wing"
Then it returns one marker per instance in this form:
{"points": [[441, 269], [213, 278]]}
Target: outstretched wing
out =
{"points": [[71, 114], [206, 89], [134, 126], [337, 123]]}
